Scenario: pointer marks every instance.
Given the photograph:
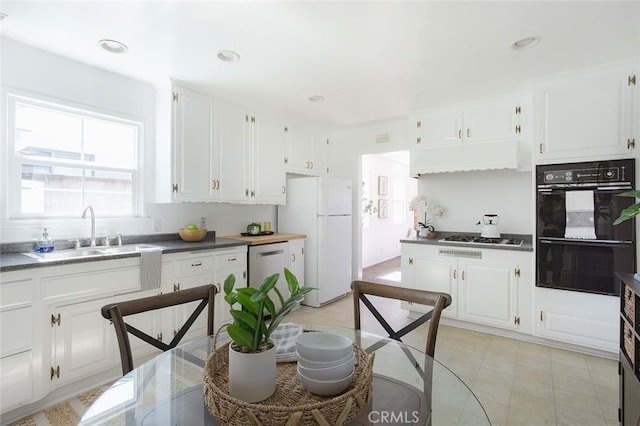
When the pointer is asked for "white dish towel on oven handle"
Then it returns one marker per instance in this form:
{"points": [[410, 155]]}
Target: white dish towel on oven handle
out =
{"points": [[580, 215]]}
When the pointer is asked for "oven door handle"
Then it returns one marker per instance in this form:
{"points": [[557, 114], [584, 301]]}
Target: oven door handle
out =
{"points": [[594, 243]]}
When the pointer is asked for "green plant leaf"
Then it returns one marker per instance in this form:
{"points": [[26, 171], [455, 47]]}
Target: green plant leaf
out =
{"points": [[245, 301], [280, 298], [628, 213], [266, 286], [229, 282], [632, 193], [241, 337], [245, 318], [292, 281], [268, 304]]}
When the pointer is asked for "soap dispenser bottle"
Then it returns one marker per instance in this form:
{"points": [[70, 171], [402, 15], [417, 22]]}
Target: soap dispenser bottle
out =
{"points": [[44, 244]]}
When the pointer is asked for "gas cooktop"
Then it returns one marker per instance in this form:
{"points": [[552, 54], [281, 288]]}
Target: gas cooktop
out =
{"points": [[481, 240]]}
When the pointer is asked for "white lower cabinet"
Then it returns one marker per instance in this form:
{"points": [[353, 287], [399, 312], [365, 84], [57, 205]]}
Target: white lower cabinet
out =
{"points": [[585, 319], [62, 338], [488, 287], [296, 259], [233, 261], [17, 342], [81, 341]]}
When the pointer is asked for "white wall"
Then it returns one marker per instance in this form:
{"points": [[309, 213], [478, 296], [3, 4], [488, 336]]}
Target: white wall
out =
{"points": [[33, 71], [346, 149], [381, 236], [466, 196]]}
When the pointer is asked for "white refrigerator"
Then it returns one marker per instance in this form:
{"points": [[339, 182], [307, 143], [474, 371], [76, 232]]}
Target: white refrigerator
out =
{"points": [[320, 207]]}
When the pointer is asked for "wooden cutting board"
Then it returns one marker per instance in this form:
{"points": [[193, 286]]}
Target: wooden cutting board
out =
{"points": [[266, 239]]}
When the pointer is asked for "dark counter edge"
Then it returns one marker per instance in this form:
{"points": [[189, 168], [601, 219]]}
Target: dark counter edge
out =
{"points": [[527, 244], [12, 259]]}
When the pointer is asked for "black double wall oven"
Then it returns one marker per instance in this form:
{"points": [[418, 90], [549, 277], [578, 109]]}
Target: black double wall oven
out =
{"points": [[577, 245]]}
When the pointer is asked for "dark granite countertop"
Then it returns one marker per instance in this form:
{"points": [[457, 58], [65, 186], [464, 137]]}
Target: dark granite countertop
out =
{"points": [[527, 244], [12, 257]]}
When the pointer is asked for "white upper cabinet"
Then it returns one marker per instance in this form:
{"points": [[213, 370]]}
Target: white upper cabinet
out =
{"points": [[483, 135], [488, 121], [218, 152], [267, 150], [306, 151], [192, 145], [588, 115], [231, 154]]}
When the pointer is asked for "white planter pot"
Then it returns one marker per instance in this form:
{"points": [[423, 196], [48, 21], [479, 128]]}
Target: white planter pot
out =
{"points": [[252, 376]]}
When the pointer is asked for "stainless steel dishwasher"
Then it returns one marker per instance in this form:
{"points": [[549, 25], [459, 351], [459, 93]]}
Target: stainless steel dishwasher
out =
{"points": [[268, 259]]}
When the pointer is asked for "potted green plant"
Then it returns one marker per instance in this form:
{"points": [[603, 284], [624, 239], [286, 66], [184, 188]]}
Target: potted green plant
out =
{"points": [[254, 228], [252, 355], [631, 211]]}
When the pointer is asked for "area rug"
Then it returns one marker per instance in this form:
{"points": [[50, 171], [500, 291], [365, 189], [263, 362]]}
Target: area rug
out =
{"points": [[66, 413]]}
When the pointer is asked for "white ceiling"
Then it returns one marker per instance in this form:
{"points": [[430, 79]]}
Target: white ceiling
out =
{"points": [[370, 60]]}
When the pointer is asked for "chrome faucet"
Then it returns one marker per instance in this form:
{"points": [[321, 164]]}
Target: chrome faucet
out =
{"points": [[93, 224]]}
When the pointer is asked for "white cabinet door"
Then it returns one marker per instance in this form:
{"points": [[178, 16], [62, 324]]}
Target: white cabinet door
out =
{"points": [[193, 118], [296, 259], [267, 162], [489, 293], [83, 341], [17, 341], [299, 149], [232, 154], [586, 116], [439, 127], [423, 269], [438, 274], [228, 262], [492, 121], [320, 159], [586, 319], [189, 270], [489, 121]]}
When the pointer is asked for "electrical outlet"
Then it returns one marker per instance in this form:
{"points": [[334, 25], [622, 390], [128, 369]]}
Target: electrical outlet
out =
{"points": [[203, 222], [157, 225]]}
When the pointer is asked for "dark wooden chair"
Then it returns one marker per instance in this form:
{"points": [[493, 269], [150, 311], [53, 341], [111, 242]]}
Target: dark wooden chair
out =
{"points": [[115, 312], [439, 301]]}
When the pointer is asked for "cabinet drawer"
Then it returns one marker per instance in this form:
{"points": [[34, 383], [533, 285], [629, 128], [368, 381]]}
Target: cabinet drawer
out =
{"points": [[16, 293], [16, 386], [16, 338], [628, 341], [231, 259], [89, 283], [194, 266]]}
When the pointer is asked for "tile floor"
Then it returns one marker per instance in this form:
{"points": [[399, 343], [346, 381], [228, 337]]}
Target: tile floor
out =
{"points": [[518, 383]]}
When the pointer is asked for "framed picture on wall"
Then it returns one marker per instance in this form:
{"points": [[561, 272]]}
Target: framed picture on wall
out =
{"points": [[383, 185], [383, 207]]}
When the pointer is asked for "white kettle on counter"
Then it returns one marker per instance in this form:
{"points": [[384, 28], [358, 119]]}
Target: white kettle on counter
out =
{"points": [[490, 226]]}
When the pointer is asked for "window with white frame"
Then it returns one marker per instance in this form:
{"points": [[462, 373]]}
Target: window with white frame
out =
{"points": [[63, 159]]}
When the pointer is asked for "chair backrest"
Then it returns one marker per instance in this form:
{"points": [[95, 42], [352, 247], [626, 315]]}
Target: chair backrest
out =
{"points": [[439, 301], [115, 312]]}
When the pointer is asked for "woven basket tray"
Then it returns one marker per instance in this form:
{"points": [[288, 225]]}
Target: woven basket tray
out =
{"points": [[291, 403]]}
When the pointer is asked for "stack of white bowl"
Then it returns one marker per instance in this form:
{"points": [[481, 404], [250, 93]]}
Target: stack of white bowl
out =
{"points": [[325, 362]]}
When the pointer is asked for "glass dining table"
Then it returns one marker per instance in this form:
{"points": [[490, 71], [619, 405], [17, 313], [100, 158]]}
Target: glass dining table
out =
{"points": [[409, 388]]}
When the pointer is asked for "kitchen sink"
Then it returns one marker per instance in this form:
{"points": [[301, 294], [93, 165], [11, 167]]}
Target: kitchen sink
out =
{"points": [[89, 252]]}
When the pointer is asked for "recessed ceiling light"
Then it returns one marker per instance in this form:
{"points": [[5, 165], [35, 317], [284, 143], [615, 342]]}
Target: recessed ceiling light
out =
{"points": [[3, 16], [228, 56], [525, 42], [113, 46], [316, 98]]}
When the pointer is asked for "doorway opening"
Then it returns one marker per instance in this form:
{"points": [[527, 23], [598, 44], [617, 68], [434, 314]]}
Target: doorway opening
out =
{"points": [[386, 190]]}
